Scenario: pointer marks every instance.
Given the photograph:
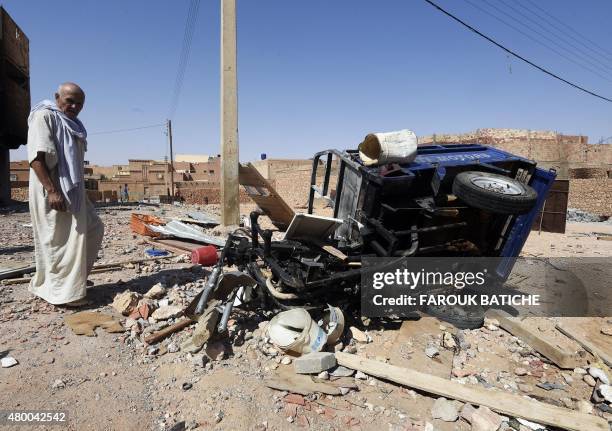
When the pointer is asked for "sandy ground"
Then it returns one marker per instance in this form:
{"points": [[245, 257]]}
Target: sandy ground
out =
{"points": [[115, 382]]}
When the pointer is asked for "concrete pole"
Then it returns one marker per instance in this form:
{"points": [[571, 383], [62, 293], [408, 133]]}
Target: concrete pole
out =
{"points": [[5, 178], [171, 160], [230, 204]]}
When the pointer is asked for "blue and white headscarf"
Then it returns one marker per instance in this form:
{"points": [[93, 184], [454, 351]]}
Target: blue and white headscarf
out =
{"points": [[70, 165]]}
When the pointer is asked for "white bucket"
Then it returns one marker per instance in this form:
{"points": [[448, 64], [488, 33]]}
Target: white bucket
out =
{"points": [[294, 330], [391, 147]]}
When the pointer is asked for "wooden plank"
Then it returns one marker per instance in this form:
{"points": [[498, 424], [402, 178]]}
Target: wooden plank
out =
{"points": [[590, 347], [500, 401], [167, 247], [270, 202], [561, 358], [160, 335]]}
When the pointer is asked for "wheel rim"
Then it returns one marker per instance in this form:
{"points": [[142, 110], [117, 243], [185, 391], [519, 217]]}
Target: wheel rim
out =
{"points": [[498, 185]]}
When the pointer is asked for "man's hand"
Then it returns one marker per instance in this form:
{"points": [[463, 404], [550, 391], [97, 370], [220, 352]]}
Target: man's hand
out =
{"points": [[56, 201]]}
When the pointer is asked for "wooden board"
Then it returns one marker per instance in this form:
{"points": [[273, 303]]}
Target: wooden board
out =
{"points": [[500, 401], [561, 358], [266, 198], [553, 215], [604, 354]]}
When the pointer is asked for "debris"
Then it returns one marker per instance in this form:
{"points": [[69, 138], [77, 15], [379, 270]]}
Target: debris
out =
{"points": [[606, 330], [520, 371], [286, 360], [361, 375], [85, 323], [160, 335], [590, 347], [182, 230], [186, 386], [156, 253], [341, 371], [295, 399], [8, 362], [125, 302], [467, 411], [58, 384], [315, 362], [448, 341], [167, 312], [333, 324], [483, 419], [606, 392], [531, 425], [295, 331], [503, 402], [323, 375], [431, 351], [300, 384], [598, 373], [589, 380], [215, 350], [157, 291], [548, 386], [205, 256], [445, 410], [204, 218], [562, 358], [360, 336]]}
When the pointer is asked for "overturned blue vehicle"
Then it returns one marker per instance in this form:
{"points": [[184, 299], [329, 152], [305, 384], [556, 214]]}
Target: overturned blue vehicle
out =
{"points": [[451, 200]]}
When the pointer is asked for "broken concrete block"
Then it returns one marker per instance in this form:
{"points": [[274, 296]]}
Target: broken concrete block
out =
{"points": [[155, 292], [597, 373], [467, 411], [360, 336], [483, 419], [167, 312], [314, 363], [445, 409], [125, 302]]}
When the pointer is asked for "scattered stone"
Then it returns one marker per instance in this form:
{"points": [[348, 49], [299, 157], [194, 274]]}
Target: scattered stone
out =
{"points": [[483, 419], [344, 391], [520, 371], [125, 302], [50, 360], [295, 399], [431, 351], [58, 384], [606, 330], [8, 362], [584, 407], [531, 425], [186, 386], [155, 292], [173, 347], [361, 376], [167, 312], [448, 341], [598, 373], [323, 375], [580, 371], [360, 336], [467, 411], [314, 362], [445, 410], [199, 360], [341, 371], [606, 392], [589, 380], [548, 386], [219, 416], [568, 379], [215, 350]]}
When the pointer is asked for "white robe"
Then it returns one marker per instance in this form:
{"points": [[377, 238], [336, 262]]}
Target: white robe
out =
{"points": [[66, 245]]}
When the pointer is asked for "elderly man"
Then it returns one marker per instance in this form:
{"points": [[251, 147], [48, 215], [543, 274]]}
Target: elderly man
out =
{"points": [[67, 230]]}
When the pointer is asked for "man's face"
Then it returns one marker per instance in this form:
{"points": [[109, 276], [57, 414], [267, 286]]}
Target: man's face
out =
{"points": [[70, 102]]}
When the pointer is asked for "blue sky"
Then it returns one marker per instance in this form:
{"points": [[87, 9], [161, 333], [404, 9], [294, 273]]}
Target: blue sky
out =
{"points": [[315, 74]]}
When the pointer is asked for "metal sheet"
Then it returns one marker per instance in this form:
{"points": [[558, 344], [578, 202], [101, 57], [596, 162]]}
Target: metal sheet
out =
{"points": [[204, 218], [312, 226], [182, 230]]}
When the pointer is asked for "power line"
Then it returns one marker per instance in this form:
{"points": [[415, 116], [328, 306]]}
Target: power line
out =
{"points": [[601, 49], [596, 61], [515, 54], [537, 40], [192, 16], [106, 132]]}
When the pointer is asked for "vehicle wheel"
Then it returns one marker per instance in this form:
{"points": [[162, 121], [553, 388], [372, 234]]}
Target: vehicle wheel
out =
{"points": [[495, 193]]}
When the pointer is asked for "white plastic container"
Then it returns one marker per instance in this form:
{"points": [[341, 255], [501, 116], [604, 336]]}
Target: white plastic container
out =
{"points": [[390, 147], [295, 331]]}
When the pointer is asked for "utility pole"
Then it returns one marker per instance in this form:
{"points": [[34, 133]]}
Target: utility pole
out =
{"points": [[230, 203], [169, 125]]}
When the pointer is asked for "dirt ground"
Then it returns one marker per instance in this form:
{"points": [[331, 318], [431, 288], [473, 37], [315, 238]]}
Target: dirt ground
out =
{"points": [[113, 381]]}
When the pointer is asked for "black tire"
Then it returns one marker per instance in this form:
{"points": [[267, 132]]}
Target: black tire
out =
{"points": [[493, 199]]}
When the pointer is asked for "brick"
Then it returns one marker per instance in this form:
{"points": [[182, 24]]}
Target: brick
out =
{"points": [[295, 399]]}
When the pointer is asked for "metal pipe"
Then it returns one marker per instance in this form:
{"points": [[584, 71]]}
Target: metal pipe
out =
{"points": [[213, 278]]}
